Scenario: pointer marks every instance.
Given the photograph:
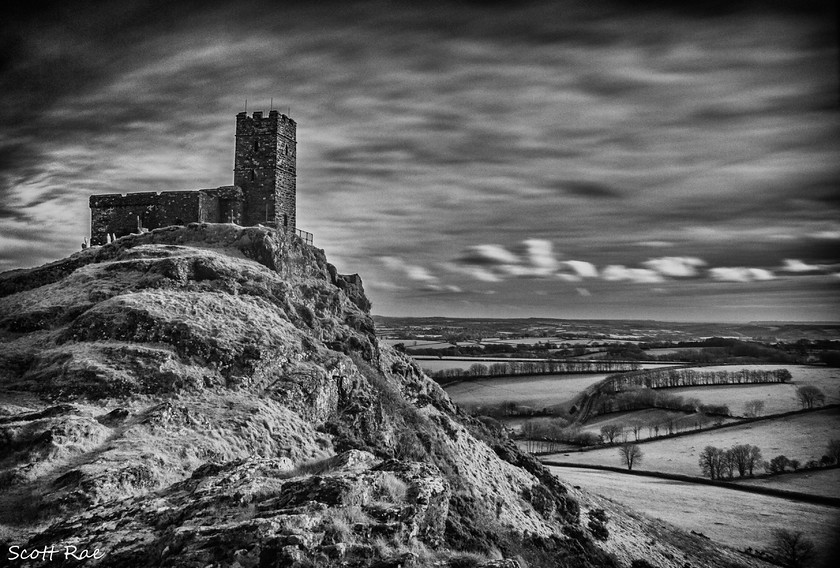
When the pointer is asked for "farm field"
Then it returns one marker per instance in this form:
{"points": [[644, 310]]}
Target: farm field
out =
{"points": [[648, 415], [816, 482], [556, 340], [531, 390], [434, 364], [523, 340], [777, 397], [418, 343], [727, 516], [671, 350], [803, 437]]}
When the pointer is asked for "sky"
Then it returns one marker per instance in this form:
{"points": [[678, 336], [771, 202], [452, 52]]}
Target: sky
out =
{"points": [[485, 159]]}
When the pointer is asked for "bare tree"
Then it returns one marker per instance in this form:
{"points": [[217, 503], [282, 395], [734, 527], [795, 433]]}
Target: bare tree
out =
{"points": [[833, 450], [745, 457], [711, 461], [792, 549], [727, 463], [611, 431], [631, 454], [777, 465], [754, 459], [810, 395], [637, 426], [740, 456], [753, 408], [529, 431]]}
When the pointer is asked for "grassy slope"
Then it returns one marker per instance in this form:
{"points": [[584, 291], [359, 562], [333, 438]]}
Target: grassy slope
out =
{"points": [[777, 398], [816, 482], [726, 516], [803, 437], [540, 391]]}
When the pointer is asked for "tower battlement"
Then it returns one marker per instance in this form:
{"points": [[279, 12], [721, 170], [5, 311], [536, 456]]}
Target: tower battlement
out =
{"points": [[259, 124]]}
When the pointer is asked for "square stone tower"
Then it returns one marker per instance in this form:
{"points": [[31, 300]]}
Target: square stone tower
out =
{"points": [[264, 168]]}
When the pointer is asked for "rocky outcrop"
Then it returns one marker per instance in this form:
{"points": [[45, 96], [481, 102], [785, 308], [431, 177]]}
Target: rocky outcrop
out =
{"points": [[216, 395], [351, 508]]}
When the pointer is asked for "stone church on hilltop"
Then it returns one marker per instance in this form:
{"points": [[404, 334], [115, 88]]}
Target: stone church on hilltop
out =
{"points": [[263, 190]]}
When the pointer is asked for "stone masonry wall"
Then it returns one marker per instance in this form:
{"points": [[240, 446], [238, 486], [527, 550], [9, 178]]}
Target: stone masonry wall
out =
{"points": [[118, 214], [222, 205], [264, 167]]}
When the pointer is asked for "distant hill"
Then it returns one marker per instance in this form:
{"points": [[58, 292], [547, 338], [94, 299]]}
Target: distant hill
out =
{"points": [[646, 330]]}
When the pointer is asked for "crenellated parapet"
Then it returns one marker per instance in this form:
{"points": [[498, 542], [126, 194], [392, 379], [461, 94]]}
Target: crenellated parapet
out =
{"points": [[258, 125]]}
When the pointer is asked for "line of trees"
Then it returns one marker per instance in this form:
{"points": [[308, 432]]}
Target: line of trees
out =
{"points": [[809, 396], [503, 368], [641, 398], [670, 378], [717, 463], [547, 434]]}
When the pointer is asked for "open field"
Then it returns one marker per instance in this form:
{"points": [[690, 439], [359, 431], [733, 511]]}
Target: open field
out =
{"points": [[727, 516], [803, 437], [522, 340], [777, 397], [816, 482], [418, 343], [538, 391], [648, 415], [671, 350]]}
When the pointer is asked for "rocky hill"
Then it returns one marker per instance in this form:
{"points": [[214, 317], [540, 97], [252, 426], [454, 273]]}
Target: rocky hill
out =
{"points": [[213, 395]]}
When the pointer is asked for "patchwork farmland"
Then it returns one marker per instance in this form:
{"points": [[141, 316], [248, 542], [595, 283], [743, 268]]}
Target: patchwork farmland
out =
{"points": [[779, 427]]}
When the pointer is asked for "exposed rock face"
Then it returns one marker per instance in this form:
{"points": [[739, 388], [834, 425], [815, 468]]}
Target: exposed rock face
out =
{"points": [[213, 395]]}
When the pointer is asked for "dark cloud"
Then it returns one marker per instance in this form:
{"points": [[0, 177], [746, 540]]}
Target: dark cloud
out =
{"points": [[586, 189]]}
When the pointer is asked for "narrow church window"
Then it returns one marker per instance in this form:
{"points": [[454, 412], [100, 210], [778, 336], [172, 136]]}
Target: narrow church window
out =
{"points": [[256, 145], [285, 220], [253, 175]]}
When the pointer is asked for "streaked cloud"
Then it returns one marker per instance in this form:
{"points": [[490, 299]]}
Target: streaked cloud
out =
{"points": [[581, 268], [411, 271], [797, 266], [619, 273], [740, 274], [675, 266], [540, 256], [524, 146]]}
